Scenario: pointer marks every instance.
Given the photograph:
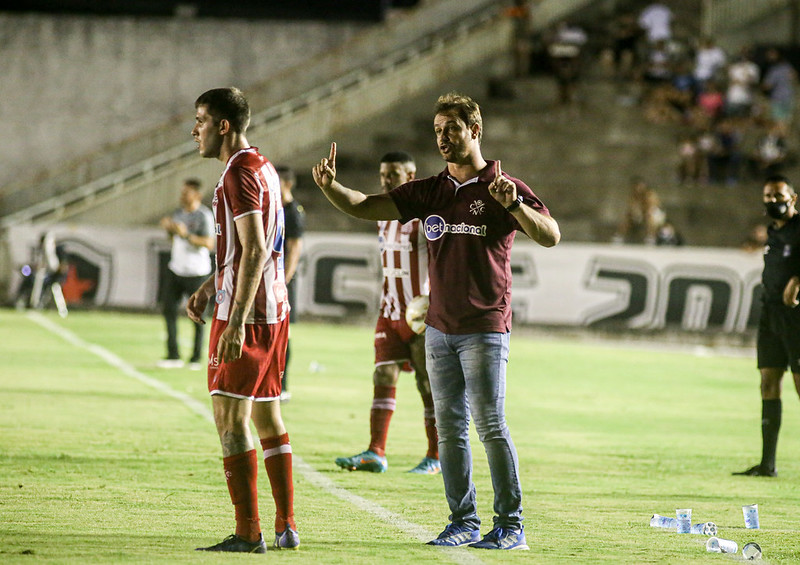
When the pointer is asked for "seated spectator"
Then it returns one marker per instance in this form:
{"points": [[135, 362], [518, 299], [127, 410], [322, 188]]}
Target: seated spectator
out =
{"points": [[770, 153], [711, 101], [756, 239], [667, 235]]}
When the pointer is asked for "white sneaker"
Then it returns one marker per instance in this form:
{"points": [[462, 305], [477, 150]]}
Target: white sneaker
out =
{"points": [[195, 365], [170, 364]]}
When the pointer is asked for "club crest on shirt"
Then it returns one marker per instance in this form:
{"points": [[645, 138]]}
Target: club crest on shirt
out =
{"points": [[477, 207], [220, 297]]}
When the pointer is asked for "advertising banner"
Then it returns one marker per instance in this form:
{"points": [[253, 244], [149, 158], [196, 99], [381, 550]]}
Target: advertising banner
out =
{"points": [[583, 285]]}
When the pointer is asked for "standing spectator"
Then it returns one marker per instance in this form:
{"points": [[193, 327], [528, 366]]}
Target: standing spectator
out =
{"points": [[743, 78], [778, 341], [710, 60], [656, 21], [191, 229], [625, 32], [520, 15], [564, 48], [404, 256], [470, 212], [294, 224], [689, 159], [247, 348], [779, 83]]}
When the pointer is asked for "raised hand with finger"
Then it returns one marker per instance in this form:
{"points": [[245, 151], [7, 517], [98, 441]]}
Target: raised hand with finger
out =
{"points": [[502, 189], [324, 172]]}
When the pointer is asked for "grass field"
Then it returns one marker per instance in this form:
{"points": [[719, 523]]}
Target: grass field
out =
{"points": [[107, 459]]}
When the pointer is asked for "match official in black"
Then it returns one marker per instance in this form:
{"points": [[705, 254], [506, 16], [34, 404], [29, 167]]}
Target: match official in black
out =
{"points": [[778, 343]]}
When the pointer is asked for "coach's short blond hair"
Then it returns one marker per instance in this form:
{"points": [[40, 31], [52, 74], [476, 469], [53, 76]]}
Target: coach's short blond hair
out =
{"points": [[464, 107]]}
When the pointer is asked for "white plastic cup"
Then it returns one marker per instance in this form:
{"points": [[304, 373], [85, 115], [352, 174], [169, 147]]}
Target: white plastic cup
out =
{"points": [[684, 516], [750, 516], [719, 545], [751, 551], [658, 521]]}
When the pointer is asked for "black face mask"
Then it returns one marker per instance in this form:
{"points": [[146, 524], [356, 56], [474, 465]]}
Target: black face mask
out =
{"points": [[776, 210]]}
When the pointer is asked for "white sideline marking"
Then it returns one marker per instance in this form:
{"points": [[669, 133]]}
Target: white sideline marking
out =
{"points": [[455, 554]]}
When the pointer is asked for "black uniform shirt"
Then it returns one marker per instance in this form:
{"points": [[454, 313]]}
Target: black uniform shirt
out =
{"points": [[781, 259]]}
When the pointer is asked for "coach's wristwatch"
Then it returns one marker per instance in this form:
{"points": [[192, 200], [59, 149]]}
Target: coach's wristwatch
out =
{"points": [[514, 205]]}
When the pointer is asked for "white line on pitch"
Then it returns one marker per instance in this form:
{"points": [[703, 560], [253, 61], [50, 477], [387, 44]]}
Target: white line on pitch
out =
{"points": [[455, 554]]}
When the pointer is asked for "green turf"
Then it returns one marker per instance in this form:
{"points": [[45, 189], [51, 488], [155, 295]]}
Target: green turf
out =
{"points": [[98, 467]]}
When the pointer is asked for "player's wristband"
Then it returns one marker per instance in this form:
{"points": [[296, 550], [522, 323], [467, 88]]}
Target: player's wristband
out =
{"points": [[514, 205]]}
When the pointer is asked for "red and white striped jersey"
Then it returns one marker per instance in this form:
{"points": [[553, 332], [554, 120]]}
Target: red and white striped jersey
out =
{"points": [[250, 185], [404, 257]]}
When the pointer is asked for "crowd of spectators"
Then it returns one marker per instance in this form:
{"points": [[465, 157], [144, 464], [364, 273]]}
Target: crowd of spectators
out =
{"points": [[734, 110]]}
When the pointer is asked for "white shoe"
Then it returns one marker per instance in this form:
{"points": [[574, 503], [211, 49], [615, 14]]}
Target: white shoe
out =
{"points": [[170, 364], [195, 365]]}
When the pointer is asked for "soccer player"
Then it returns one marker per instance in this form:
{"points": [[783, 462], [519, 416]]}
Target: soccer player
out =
{"points": [[470, 213], [191, 231], [404, 256], [250, 326], [778, 342]]}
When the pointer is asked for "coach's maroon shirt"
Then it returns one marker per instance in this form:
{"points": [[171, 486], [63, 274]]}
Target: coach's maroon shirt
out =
{"points": [[469, 248]]}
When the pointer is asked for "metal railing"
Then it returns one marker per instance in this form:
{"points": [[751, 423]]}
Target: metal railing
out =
{"points": [[90, 181]]}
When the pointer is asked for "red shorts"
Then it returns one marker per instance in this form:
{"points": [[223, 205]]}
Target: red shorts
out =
{"points": [[392, 339], [257, 374]]}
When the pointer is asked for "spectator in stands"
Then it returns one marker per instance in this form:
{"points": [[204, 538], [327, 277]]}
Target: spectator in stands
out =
{"points": [[520, 15], [625, 32], [643, 215], [710, 61], [779, 83], [668, 236], [756, 239], [689, 159], [656, 21], [564, 49], [711, 101], [743, 78], [770, 152]]}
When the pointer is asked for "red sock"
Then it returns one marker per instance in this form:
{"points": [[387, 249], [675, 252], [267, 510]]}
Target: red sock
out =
{"points": [[241, 473], [383, 404], [430, 427], [278, 461]]}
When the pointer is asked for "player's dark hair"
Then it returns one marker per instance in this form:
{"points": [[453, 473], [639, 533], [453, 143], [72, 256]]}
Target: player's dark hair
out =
{"points": [[193, 183], [226, 104], [397, 157], [774, 179], [464, 107], [286, 174]]}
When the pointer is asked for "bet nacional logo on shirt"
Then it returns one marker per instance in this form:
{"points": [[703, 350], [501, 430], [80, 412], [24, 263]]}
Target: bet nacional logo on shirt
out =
{"points": [[436, 227]]}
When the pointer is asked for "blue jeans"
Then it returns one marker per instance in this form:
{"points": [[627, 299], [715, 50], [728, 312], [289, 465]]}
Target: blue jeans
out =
{"points": [[468, 375]]}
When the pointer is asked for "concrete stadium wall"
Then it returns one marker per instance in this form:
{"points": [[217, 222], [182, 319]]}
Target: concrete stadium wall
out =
{"points": [[71, 85]]}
